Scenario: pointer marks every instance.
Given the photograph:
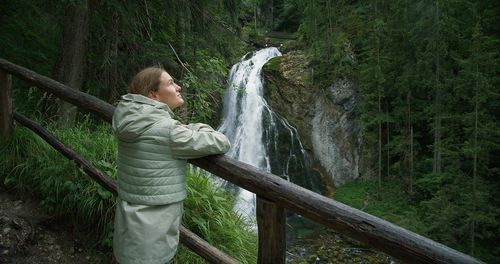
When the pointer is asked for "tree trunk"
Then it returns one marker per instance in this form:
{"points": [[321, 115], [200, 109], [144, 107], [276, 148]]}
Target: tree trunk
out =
{"points": [[379, 111], [149, 30], [255, 16], [6, 121], [180, 21], [474, 168], [410, 135], [379, 149], [330, 26], [111, 72], [387, 131], [436, 167], [272, 14], [70, 65], [410, 125]]}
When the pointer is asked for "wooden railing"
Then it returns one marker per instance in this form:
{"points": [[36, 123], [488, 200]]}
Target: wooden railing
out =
{"points": [[274, 194]]}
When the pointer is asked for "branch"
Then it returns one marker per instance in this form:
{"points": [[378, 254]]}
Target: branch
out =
{"points": [[182, 64]]}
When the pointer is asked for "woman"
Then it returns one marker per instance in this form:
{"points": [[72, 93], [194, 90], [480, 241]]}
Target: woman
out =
{"points": [[152, 152]]}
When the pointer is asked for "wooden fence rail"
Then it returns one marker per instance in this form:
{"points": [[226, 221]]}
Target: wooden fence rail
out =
{"points": [[373, 231], [80, 99]]}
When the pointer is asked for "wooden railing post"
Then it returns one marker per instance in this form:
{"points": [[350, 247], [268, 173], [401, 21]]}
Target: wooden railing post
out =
{"points": [[6, 122], [271, 231]]}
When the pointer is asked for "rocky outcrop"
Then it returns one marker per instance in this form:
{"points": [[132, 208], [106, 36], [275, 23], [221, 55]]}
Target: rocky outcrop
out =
{"points": [[285, 91], [335, 133], [324, 117]]}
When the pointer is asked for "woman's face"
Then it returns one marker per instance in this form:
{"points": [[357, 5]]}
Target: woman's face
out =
{"points": [[168, 92]]}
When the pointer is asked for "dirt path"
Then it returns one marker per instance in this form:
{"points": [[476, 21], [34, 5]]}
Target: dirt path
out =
{"points": [[29, 235]]}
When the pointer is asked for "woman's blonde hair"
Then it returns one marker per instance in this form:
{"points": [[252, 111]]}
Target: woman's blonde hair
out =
{"points": [[145, 81]]}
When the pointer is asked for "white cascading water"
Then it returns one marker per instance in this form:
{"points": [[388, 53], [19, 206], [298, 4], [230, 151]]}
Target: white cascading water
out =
{"points": [[242, 119], [255, 130]]}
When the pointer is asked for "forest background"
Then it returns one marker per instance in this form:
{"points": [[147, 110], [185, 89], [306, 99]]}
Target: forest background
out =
{"points": [[427, 73]]}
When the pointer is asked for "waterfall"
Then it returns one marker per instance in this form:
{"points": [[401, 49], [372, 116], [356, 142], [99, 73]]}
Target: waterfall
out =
{"points": [[259, 136]]}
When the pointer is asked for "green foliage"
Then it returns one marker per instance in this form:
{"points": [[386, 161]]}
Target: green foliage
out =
{"points": [[452, 225], [393, 207], [445, 217], [289, 18], [428, 184], [30, 165], [328, 43], [124, 37], [210, 215], [203, 89], [29, 37], [25, 25]]}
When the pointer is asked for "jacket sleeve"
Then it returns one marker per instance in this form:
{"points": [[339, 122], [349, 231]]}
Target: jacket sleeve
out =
{"points": [[196, 140]]}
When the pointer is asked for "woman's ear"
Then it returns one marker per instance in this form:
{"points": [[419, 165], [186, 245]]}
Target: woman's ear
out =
{"points": [[153, 95]]}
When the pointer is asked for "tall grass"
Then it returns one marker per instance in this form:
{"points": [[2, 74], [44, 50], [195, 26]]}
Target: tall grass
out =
{"points": [[28, 164], [209, 213]]}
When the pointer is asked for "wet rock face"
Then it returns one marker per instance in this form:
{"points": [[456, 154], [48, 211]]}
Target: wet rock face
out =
{"points": [[324, 117], [335, 133], [285, 91]]}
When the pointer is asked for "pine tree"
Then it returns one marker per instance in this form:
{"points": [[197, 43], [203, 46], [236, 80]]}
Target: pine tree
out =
{"points": [[373, 63], [476, 81]]}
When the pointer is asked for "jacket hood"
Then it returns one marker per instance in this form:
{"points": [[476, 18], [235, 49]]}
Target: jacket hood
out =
{"points": [[136, 114]]}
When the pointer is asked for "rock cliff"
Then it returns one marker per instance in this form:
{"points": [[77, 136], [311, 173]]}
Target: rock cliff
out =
{"points": [[325, 117]]}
